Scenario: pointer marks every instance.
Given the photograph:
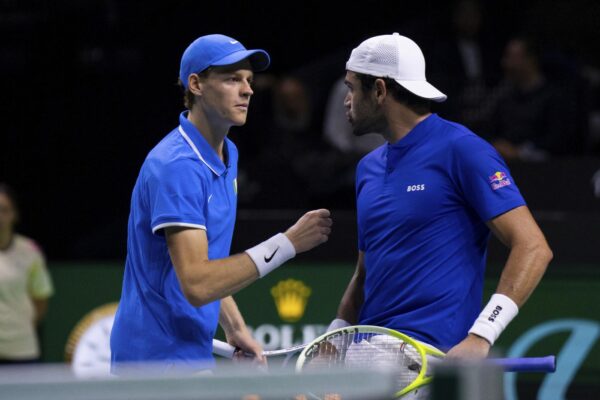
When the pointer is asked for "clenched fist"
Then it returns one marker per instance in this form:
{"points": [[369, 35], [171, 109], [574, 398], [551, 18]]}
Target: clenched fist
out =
{"points": [[312, 229]]}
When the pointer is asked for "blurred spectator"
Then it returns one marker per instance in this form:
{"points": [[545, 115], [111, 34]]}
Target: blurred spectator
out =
{"points": [[25, 287], [295, 167], [337, 128], [465, 66], [533, 118], [288, 137], [292, 116], [253, 137]]}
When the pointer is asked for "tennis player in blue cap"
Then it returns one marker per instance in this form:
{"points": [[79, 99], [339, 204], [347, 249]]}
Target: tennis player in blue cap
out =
{"points": [[179, 275]]}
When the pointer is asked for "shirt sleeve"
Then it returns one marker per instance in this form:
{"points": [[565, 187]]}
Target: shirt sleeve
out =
{"points": [[176, 196], [39, 281], [484, 178]]}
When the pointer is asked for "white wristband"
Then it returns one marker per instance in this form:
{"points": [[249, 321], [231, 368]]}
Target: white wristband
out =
{"points": [[337, 324], [495, 317], [271, 253]]}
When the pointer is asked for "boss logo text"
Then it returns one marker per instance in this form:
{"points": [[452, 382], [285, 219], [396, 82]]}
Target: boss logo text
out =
{"points": [[415, 188], [494, 314]]}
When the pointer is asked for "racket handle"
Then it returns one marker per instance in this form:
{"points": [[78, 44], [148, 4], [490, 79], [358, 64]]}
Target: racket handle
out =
{"points": [[223, 349], [527, 364]]}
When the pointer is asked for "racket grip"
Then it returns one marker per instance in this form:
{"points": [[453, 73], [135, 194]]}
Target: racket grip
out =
{"points": [[223, 349], [527, 364]]}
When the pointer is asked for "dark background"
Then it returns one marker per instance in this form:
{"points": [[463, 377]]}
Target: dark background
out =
{"points": [[89, 87]]}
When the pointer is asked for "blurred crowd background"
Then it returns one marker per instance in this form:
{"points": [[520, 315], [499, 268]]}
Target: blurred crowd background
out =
{"points": [[89, 87]]}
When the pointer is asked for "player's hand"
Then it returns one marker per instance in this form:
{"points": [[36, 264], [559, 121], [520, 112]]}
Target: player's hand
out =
{"points": [[324, 354], [312, 229], [473, 347], [246, 343]]}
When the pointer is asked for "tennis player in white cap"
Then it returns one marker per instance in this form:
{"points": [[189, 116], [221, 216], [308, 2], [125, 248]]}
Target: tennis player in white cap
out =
{"points": [[427, 201]]}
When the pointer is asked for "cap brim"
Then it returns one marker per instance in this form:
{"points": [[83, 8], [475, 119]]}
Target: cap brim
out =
{"points": [[423, 89], [259, 59]]}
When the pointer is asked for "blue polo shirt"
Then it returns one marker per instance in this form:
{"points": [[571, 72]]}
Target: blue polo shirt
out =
{"points": [[422, 207], [183, 183]]}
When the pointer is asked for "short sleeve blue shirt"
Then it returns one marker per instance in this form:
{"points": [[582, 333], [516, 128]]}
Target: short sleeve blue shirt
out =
{"points": [[422, 205], [182, 182]]}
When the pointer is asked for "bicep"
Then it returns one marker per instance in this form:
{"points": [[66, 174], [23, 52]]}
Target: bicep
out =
{"points": [[187, 248], [516, 226]]}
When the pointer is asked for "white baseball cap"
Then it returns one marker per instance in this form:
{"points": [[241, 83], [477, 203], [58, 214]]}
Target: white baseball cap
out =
{"points": [[397, 57]]}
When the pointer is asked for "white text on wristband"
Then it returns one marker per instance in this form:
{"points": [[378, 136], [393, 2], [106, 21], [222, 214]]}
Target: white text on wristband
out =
{"points": [[495, 317]]}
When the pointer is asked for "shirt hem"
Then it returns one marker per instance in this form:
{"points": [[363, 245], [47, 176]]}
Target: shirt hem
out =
{"points": [[180, 224]]}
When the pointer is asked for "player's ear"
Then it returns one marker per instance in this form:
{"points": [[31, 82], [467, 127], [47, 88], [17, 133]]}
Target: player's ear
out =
{"points": [[380, 90], [195, 84]]}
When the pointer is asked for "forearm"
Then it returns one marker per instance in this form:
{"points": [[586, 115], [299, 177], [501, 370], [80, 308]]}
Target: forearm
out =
{"points": [[351, 302], [353, 297], [235, 329], [215, 279], [230, 318], [523, 271], [203, 280], [529, 256]]}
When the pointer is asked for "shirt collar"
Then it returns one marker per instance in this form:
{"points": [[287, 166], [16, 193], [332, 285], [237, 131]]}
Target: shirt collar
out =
{"points": [[200, 146], [417, 133]]}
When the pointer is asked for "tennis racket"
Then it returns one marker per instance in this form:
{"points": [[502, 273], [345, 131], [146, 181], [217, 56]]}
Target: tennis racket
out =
{"points": [[374, 347], [226, 350]]}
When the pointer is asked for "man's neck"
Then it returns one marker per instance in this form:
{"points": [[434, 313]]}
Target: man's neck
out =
{"points": [[401, 121], [214, 135], [5, 239]]}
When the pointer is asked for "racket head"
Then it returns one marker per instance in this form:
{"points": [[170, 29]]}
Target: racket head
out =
{"points": [[371, 346]]}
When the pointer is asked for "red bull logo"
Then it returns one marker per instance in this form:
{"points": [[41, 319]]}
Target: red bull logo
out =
{"points": [[499, 180]]}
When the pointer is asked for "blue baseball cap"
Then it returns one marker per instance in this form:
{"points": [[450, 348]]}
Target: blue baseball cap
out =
{"points": [[218, 50]]}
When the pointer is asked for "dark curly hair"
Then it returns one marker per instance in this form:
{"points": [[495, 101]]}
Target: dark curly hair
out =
{"points": [[417, 104]]}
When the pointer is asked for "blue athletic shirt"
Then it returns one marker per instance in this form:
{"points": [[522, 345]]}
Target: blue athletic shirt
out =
{"points": [[182, 182], [422, 205]]}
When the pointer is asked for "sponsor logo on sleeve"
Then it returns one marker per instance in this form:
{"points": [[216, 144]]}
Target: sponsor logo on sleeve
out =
{"points": [[499, 180]]}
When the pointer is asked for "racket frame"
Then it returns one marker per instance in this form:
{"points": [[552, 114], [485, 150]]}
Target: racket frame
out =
{"points": [[423, 350], [226, 350]]}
